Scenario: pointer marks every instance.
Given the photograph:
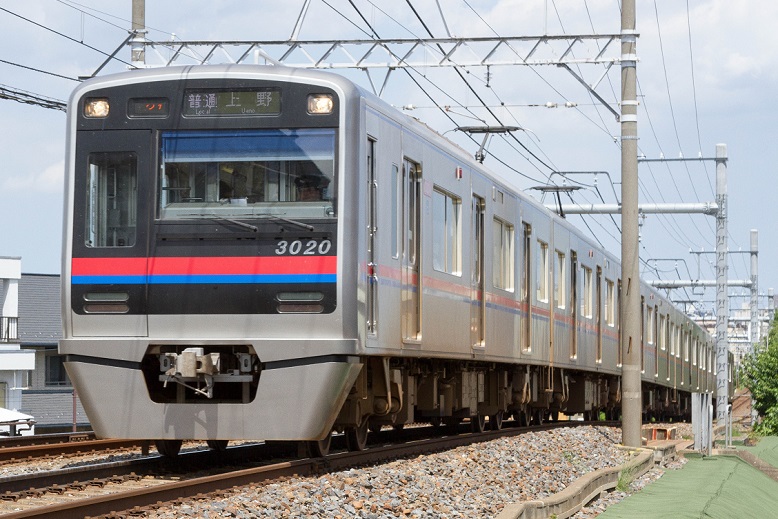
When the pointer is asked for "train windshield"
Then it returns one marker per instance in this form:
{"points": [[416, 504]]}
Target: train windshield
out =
{"points": [[245, 173]]}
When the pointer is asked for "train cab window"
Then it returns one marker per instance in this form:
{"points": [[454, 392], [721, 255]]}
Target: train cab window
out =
{"points": [[542, 272], [249, 172], [111, 200], [446, 233], [502, 244]]}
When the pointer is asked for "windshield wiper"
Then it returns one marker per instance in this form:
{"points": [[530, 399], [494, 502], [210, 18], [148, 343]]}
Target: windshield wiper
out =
{"points": [[253, 228], [274, 217]]}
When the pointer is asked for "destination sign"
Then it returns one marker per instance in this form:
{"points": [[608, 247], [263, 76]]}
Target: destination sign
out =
{"points": [[217, 103]]}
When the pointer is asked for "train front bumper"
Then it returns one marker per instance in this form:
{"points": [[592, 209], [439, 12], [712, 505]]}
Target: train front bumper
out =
{"points": [[296, 399]]}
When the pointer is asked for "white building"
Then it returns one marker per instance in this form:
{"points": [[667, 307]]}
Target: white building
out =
{"points": [[16, 364]]}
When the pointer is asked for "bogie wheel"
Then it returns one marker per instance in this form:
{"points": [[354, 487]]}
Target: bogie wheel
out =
{"points": [[356, 437], [537, 417], [168, 448], [495, 421], [478, 423], [218, 445], [320, 448]]}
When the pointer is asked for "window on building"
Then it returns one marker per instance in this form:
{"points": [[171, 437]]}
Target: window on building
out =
{"points": [[55, 370], [446, 237], [502, 269]]}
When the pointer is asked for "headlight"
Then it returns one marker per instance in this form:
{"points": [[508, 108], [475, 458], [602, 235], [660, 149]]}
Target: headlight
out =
{"points": [[97, 107], [320, 104]]}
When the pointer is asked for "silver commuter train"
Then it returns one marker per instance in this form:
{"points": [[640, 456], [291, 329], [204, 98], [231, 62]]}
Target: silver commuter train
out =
{"points": [[258, 252]]}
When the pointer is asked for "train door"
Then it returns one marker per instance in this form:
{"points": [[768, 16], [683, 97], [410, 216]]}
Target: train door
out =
{"points": [[526, 290], [411, 261], [573, 304], [477, 300], [111, 232], [372, 280], [598, 313]]}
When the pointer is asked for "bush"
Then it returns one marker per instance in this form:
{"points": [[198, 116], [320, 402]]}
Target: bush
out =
{"points": [[758, 373]]}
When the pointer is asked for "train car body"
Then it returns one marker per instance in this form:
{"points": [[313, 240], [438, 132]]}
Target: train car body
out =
{"points": [[271, 253]]}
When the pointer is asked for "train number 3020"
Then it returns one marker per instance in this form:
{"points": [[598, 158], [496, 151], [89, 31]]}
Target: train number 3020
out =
{"points": [[305, 248]]}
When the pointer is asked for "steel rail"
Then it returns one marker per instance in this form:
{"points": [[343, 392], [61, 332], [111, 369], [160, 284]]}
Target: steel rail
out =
{"points": [[43, 439], [66, 448]]}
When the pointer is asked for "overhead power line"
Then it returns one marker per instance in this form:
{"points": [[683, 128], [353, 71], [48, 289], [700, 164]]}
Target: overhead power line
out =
{"points": [[38, 70], [29, 98], [63, 35]]}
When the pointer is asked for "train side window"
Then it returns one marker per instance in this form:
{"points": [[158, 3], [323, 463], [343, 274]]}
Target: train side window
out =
{"points": [[527, 263], [111, 200], [586, 302], [446, 232], [610, 302], [502, 243], [542, 272], [650, 326], [560, 280], [662, 332]]}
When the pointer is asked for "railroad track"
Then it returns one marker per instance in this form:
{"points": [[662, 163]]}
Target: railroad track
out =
{"points": [[132, 488], [23, 452], [42, 439]]}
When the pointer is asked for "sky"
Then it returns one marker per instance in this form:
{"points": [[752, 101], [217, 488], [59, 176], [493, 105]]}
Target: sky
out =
{"points": [[707, 72]]}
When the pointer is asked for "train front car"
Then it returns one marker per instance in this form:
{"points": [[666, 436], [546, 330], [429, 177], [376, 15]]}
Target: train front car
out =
{"points": [[203, 293]]}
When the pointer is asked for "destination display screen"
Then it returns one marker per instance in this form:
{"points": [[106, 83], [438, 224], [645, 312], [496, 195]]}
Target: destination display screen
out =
{"points": [[148, 107], [217, 103]]}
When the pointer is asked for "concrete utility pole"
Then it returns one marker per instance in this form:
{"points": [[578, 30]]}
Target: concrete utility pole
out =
{"points": [[754, 288], [722, 302], [631, 405], [139, 28]]}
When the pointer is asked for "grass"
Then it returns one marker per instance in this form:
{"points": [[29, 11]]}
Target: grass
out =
{"points": [[626, 477]]}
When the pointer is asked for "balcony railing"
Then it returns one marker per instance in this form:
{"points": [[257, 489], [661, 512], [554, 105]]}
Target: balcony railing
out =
{"points": [[9, 329]]}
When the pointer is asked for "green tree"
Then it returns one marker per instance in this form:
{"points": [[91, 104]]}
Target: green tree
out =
{"points": [[759, 371]]}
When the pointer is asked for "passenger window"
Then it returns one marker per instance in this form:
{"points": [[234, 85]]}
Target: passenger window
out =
{"points": [[586, 303], [559, 280], [111, 200], [446, 234], [502, 244], [542, 272], [610, 302]]}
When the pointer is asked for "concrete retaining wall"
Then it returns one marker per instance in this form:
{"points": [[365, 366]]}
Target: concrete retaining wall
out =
{"points": [[585, 489]]}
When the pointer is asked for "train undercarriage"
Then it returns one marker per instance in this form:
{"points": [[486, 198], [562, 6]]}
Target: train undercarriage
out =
{"points": [[398, 391]]}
